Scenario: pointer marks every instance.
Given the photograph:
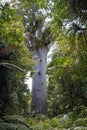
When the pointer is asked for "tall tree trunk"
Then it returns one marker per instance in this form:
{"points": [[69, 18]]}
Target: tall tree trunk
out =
{"points": [[39, 90], [4, 89], [38, 43]]}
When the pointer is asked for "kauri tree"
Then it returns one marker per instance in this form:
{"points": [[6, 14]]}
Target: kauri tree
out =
{"points": [[38, 39]]}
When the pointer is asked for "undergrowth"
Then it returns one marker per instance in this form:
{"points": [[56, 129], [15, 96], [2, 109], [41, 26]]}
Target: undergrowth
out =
{"points": [[71, 121]]}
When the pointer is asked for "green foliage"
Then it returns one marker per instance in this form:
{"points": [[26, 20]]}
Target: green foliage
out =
{"points": [[15, 119], [62, 122], [41, 117], [6, 126], [14, 123], [79, 8], [67, 70], [13, 50], [11, 27], [67, 74], [34, 3], [81, 122]]}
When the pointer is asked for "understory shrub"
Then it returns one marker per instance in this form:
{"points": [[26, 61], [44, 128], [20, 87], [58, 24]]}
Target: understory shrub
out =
{"points": [[68, 121], [14, 122]]}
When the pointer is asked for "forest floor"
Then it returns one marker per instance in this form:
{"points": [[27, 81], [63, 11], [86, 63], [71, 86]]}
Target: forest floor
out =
{"points": [[70, 121]]}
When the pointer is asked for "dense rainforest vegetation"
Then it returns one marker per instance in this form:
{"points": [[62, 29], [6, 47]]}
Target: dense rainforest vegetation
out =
{"points": [[58, 99]]}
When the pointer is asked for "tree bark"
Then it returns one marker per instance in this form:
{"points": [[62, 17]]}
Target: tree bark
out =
{"points": [[36, 44], [39, 90], [4, 89]]}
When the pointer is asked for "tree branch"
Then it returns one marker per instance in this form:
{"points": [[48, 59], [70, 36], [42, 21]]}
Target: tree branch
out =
{"points": [[8, 65]]}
